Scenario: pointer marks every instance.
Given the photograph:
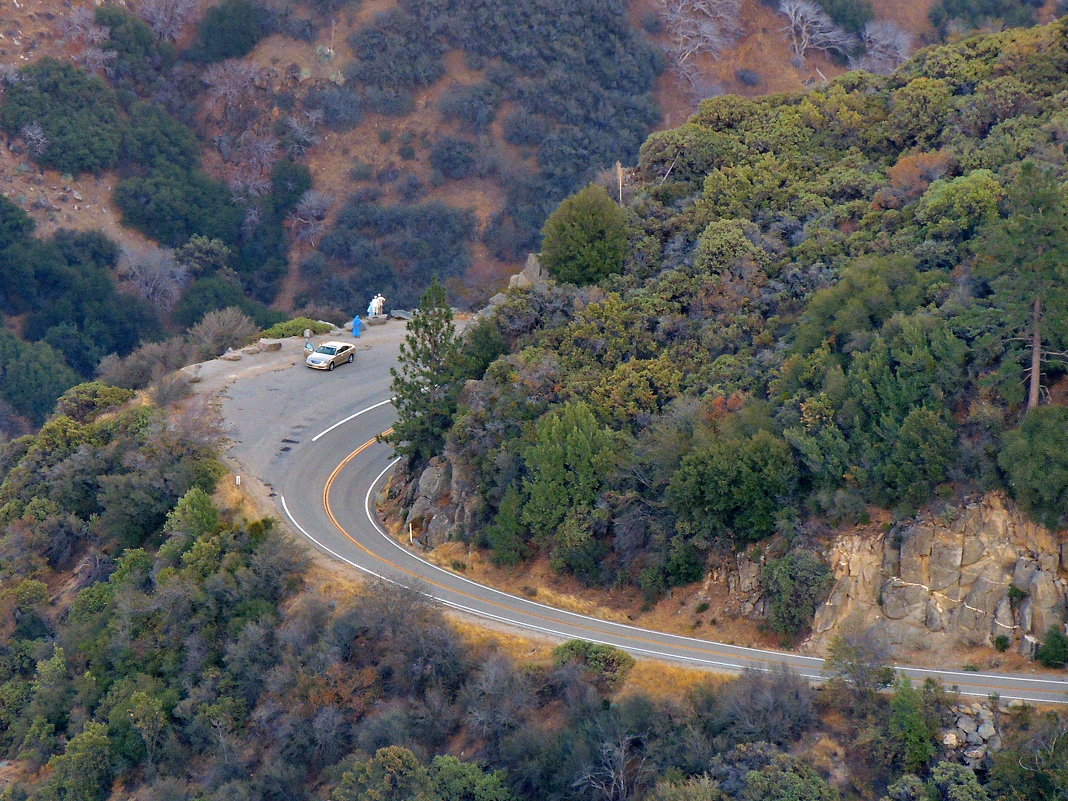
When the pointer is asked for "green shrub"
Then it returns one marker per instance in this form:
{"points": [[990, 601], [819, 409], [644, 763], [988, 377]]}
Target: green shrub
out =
{"points": [[795, 585], [734, 487], [230, 30], [77, 114], [585, 239], [295, 328], [453, 157], [1053, 652], [1002, 643], [1035, 460], [609, 665]]}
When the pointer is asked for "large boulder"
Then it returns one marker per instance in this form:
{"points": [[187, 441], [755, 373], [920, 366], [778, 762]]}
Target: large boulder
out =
{"points": [[530, 276]]}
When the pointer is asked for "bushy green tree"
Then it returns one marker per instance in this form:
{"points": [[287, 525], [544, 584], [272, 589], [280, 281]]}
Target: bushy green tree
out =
{"points": [[78, 115], [425, 384], [85, 401], [795, 585], [454, 780], [568, 464], [585, 239], [392, 774], [1035, 460], [786, 779], [1033, 765], [82, 771], [734, 487], [869, 292], [608, 665], [15, 224], [1053, 652], [506, 535], [32, 376], [230, 30], [955, 782], [908, 728]]}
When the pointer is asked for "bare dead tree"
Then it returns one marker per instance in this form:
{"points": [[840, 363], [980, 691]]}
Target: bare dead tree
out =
{"points": [[301, 135], [886, 44], [810, 28], [33, 136], [258, 151], [245, 181], [222, 329], [309, 216], [154, 275], [230, 83], [252, 220], [96, 60], [699, 27], [9, 75], [81, 25], [618, 770], [167, 17]]}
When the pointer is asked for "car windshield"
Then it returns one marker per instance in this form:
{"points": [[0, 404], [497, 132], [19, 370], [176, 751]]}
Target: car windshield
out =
{"points": [[326, 350]]}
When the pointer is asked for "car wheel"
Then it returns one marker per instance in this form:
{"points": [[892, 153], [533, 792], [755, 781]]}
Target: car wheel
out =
{"points": [[351, 357], [330, 366]]}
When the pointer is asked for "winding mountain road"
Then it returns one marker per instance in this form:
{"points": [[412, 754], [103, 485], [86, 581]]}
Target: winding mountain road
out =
{"points": [[309, 436]]}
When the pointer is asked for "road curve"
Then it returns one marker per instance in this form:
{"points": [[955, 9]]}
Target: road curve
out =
{"points": [[326, 475]]}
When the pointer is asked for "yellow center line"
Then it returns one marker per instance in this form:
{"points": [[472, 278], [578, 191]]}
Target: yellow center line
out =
{"points": [[626, 637]]}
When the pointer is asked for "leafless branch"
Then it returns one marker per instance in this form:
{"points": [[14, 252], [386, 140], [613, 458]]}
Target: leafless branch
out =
{"points": [[96, 60], [230, 82], [886, 46], [309, 217], [810, 28], [699, 27], [153, 275], [168, 17], [34, 137]]}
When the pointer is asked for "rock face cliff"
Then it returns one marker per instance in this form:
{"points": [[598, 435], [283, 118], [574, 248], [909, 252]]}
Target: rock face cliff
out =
{"points": [[969, 574], [965, 575]]}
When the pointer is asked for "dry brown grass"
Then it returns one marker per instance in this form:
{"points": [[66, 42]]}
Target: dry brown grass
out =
{"points": [[664, 680]]}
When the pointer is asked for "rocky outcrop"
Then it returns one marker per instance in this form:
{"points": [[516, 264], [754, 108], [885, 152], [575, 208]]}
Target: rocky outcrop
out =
{"points": [[971, 573], [443, 502], [532, 275]]}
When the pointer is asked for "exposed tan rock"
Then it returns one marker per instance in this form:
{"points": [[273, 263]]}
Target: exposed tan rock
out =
{"points": [[949, 575], [531, 275]]}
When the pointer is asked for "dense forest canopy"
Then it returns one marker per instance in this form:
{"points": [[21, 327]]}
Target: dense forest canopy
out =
{"points": [[155, 645], [807, 304], [846, 297]]}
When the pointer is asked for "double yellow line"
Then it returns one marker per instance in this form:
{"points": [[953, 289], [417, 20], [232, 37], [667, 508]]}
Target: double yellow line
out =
{"points": [[706, 652]]}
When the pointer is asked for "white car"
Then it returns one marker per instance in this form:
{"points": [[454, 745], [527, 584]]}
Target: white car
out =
{"points": [[330, 354]]}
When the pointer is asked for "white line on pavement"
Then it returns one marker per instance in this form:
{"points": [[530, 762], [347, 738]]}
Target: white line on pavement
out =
{"points": [[350, 417]]}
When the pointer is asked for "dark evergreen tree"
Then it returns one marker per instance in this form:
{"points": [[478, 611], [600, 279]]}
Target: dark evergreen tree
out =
{"points": [[586, 238], [426, 383], [1024, 257]]}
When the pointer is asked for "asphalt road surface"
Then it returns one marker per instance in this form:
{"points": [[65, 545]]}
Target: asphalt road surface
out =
{"points": [[309, 436]]}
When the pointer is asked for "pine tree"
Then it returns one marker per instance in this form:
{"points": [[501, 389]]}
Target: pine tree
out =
{"points": [[1025, 259], [426, 383], [507, 535]]}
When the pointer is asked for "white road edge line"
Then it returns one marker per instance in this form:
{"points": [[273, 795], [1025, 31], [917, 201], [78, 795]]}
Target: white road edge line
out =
{"points": [[562, 635], [797, 658], [744, 650], [350, 417]]}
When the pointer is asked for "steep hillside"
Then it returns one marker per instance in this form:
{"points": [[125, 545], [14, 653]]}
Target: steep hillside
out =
{"points": [[814, 309]]}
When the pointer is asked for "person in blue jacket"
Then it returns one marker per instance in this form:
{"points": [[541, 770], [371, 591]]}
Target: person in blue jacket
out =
{"points": [[356, 323]]}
